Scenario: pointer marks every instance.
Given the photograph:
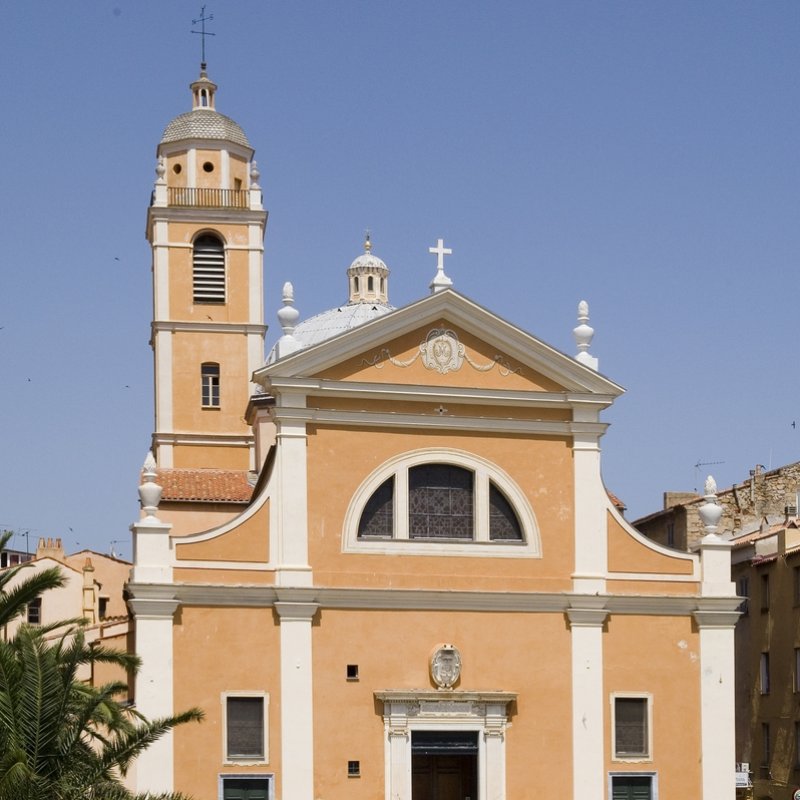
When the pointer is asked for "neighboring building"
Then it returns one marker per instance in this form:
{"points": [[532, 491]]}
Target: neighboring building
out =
{"points": [[766, 571], [760, 514], [765, 494], [404, 578]]}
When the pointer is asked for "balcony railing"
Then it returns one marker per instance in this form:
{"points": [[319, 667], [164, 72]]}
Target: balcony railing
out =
{"points": [[207, 198]]}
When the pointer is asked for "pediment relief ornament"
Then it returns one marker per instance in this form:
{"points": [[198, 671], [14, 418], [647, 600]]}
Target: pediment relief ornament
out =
{"points": [[443, 352]]}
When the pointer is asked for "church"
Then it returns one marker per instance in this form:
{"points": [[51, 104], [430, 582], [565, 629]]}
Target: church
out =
{"points": [[381, 557]]}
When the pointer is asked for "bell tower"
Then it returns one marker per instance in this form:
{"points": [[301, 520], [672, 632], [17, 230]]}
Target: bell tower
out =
{"points": [[206, 227]]}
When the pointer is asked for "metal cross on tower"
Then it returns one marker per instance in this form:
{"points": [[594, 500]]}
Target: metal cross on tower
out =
{"points": [[201, 20]]}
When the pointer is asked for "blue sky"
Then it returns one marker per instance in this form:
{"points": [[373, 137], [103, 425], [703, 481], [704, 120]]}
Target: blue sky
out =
{"points": [[640, 155]]}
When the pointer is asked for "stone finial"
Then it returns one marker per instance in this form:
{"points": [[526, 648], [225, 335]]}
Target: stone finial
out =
{"points": [[255, 174], [149, 490], [161, 169], [287, 317], [584, 333], [440, 281], [710, 512]]}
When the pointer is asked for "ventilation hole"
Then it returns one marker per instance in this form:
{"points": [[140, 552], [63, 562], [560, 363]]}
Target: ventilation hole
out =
{"points": [[208, 167], [177, 169]]}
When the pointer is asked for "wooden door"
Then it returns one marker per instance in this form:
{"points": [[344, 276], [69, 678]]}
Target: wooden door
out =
{"points": [[444, 777]]}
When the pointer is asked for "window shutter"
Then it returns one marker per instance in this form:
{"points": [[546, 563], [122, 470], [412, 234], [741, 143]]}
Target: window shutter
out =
{"points": [[208, 270], [245, 727]]}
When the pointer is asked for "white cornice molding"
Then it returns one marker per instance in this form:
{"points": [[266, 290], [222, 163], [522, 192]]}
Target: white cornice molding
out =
{"points": [[198, 143], [707, 610], [244, 248], [204, 216], [456, 310], [444, 422], [239, 328], [362, 390], [444, 696], [211, 439]]}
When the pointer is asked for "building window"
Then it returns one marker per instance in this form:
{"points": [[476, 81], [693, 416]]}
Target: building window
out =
{"points": [[764, 673], [246, 727], [797, 669], [455, 499], [35, 612], [765, 592], [796, 585], [208, 270], [631, 732], [353, 769], [209, 385], [743, 590], [352, 672], [797, 745], [632, 786], [766, 745], [247, 787], [102, 607]]}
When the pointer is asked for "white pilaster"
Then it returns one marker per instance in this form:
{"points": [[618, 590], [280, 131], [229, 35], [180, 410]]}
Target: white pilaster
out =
{"points": [[591, 545], [191, 168], [297, 720], [586, 625], [163, 352], [225, 169], [292, 498], [154, 688]]}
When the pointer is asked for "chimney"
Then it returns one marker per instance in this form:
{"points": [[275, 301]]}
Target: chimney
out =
{"points": [[50, 548]]}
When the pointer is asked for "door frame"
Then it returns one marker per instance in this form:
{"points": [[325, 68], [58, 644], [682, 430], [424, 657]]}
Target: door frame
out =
{"points": [[634, 774], [485, 713]]}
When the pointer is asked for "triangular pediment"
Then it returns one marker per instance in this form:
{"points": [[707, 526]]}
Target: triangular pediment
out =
{"points": [[443, 339]]}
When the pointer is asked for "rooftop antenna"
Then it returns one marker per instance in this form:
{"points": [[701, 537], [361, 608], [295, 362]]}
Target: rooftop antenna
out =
{"points": [[201, 21], [703, 464]]}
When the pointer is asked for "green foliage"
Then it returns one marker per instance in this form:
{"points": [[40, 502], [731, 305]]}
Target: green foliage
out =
{"points": [[60, 737]]}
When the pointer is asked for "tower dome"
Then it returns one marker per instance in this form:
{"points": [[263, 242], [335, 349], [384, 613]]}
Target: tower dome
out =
{"points": [[204, 121]]}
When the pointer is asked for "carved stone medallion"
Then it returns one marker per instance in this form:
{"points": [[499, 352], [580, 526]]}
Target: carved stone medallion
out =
{"points": [[445, 666], [442, 351]]}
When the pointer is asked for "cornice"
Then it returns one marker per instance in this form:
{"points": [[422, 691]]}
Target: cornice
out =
{"points": [[363, 390], [173, 326], [203, 216], [444, 422], [586, 609], [213, 439], [443, 696]]}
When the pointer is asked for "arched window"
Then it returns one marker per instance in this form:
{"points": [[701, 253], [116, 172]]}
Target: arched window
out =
{"points": [[208, 269], [209, 385], [414, 502], [370, 284]]}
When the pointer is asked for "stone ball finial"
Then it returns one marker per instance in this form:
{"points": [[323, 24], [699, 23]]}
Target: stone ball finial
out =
{"points": [[161, 169], [255, 174], [288, 315], [584, 333]]}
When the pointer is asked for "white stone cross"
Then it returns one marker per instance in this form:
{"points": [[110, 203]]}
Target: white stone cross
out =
{"points": [[441, 251], [441, 281]]}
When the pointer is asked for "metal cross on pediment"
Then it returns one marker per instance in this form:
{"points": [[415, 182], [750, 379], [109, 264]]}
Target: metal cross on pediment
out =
{"points": [[201, 21], [440, 251]]}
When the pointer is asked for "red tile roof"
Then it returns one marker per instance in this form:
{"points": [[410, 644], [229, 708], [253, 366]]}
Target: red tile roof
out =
{"points": [[205, 485]]}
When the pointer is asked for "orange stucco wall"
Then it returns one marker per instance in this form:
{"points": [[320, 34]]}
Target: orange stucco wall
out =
{"points": [[392, 650], [626, 554], [660, 656], [212, 656], [541, 467]]}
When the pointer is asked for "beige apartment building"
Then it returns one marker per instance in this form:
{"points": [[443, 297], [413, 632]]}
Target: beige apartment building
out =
{"points": [[382, 558]]}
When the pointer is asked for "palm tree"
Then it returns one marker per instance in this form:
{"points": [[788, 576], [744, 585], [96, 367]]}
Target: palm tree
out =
{"points": [[61, 738], [14, 601]]}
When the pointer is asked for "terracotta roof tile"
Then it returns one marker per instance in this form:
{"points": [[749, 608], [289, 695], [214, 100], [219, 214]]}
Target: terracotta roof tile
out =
{"points": [[205, 485]]}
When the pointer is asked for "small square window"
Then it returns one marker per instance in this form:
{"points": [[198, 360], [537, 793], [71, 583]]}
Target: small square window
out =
{"points": [[353, 769], [35, 612], [764, 673], [352, 672], [631, 727], [766, 744]]}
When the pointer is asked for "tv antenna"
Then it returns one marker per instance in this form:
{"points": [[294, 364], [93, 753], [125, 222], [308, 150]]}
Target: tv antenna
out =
{"points": [[201, 21], [699, 464]]}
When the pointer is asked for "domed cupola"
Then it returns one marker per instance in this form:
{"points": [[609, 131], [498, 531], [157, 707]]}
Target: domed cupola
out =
{"points": [[368, 277], [204, 121]]}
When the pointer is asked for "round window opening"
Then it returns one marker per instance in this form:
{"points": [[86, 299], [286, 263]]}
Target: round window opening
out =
{"points": [[208, 167], [177, 169]]}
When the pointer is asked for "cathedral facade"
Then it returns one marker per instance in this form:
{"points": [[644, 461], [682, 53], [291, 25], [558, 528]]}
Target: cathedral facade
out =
{"points": [[381, 558]]}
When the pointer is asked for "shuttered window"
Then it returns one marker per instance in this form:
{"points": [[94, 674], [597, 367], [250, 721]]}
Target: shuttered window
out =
{"points": [[246, 787], [631, 735], [208, 270], [245, 728], [631, 787]]}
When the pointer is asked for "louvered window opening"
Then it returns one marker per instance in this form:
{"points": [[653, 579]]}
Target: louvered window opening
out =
{"points": [[208, 270], [245, 727], [630, 725]]}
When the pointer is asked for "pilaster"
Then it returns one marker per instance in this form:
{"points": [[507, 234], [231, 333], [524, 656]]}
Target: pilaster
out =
{"points": [[586, 620], [297, 719]]}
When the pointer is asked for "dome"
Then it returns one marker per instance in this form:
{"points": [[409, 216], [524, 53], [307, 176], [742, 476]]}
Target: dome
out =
{"points": [[204, 123], [368, 261], [337, 320]]}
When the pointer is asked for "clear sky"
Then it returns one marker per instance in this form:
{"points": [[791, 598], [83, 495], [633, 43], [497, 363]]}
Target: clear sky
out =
{"points": [[640, 155]]}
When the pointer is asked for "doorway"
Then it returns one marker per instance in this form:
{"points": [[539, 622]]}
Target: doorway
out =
{"points": [[444, 765]]}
